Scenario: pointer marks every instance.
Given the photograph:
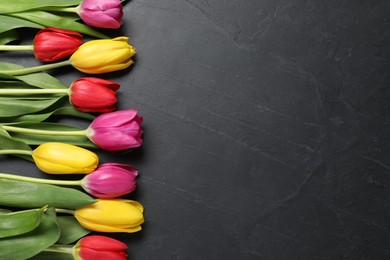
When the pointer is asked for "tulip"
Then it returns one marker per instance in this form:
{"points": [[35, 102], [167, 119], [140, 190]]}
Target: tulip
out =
{"points": [[111, 215], [113, 131], [50, 44], [93, 94], [85, 94], [110, 180], [61, 158], [97, 247], [116, 131], [93, 247], [103, 55], [92, 57], [101, 13]]}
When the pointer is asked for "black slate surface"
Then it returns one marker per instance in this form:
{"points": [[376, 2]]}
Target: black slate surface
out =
{"points": [[266, 128]]}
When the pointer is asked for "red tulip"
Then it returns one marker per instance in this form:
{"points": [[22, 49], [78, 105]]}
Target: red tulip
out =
{"points": [[116, 131], [51, 44], [96, 247], [93, 94]]}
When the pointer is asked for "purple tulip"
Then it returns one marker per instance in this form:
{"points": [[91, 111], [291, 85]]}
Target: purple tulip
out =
{"points": [[110, 180], [101, 13], [116, 131]]}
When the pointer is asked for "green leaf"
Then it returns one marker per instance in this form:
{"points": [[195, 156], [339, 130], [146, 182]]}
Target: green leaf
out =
{"points": [[8, 36], [5, 211], [69, 110], [7, 143], [25, 194], [37, 139], [14, 84], [71, 230], [8, 23], [52, 255], [29, 244], [51, 20], [42, 80], [39, 117], [10, 107], [38, 80], [20, 222], [23, 5]]}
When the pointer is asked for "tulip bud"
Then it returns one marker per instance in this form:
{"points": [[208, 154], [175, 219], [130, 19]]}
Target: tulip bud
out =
{"points": [[115, 131], [110, 180], [61, 158], [51, 44], [97, 247], [93, 95], [101, 13], [111, 215], [103, 55]]}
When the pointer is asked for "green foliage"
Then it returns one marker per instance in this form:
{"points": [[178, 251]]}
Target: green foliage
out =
{"points": [[37, 139], [71, 230], [23, 194], [16, 223], [26, 245], [16, 6]]}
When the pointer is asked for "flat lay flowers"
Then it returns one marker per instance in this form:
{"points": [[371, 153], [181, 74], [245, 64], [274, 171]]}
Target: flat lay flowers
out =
{"points": [[48, 217]]}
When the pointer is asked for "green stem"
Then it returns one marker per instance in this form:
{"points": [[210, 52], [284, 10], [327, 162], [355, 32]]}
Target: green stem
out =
{"points": [[14, 151], [9, 91], [35, 69], [59, 249], [44, 132], [16, 47], [37, 180], [66, 211], [60, 9]]}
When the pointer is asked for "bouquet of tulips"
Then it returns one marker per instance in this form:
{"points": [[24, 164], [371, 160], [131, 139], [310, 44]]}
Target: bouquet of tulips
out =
{"points": [[41, 218]]}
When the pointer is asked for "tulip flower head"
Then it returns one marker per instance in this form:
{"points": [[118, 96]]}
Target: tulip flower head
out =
{"points": [[116, 131], [93, 94], [111, 215], [110, 180], [101, 13], [51, 44], [96, 247], [103, 55], [61, 158]]}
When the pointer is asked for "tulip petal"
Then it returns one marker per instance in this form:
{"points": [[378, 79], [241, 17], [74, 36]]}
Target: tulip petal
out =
{"points": [[86, 253], [109, 229], [98, 242], [117, 118]]}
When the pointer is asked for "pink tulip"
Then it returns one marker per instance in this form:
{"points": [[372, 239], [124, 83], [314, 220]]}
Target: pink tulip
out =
{"points": [[116, 131], [101, 13], [110, 180]]}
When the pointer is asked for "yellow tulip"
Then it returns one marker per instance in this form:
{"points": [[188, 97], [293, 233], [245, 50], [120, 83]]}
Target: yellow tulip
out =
{"points": [[111, 215], [61, 158], [103, 55]]}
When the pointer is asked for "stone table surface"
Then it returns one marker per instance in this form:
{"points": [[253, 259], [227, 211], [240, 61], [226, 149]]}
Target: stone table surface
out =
{"points": [[266, 128]]}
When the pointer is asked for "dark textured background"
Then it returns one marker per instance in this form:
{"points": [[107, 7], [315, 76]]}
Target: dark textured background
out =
{"points": [[266, 128]]}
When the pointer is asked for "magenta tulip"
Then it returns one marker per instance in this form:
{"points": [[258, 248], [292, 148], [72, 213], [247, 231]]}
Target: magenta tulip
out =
{"points": [[116, 131], [111, 180], [101, 13]]}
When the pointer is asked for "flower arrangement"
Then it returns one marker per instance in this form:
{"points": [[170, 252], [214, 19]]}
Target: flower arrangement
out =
{"points": [[47, 217]]}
